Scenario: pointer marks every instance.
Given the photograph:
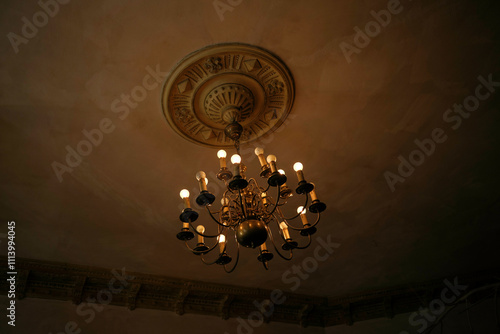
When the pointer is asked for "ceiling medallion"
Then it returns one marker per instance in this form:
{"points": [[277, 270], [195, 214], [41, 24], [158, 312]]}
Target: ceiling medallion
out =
{"points": [[217, 84], [214, 97]]}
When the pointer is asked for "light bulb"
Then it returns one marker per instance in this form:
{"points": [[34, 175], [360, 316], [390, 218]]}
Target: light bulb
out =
{"points": [[259, 151], [200, 229], [206, 181], [284, 228], [184, 193], [224, 201], [235, 159], [271, 158], [298, 166], [221, 154], [281, 171], [222, 238], [301, 210], [201, 175]]}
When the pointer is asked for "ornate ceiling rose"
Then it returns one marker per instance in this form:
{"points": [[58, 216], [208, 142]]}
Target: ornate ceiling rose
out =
{"points": [[219, 84]]}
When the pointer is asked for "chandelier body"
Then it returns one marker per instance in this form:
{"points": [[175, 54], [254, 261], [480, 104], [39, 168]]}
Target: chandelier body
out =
{"points": [[222, 96]]}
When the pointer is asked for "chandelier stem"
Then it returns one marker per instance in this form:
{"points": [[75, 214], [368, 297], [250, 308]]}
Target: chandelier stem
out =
{"points": [[241, 204]]}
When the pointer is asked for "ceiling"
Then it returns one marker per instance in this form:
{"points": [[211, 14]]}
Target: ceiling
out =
{"points": [[350, 121]]}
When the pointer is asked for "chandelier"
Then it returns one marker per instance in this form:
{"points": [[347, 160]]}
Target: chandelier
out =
{"points": [[223, 96]]}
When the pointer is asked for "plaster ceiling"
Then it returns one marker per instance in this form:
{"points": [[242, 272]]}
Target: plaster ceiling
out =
{"points": [[350, 122]]}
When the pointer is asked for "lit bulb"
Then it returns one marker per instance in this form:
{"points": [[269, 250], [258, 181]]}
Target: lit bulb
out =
{"points": [[283, 226], [221, 154], [301, 210], [259, 151], [222, 238], [206, 181], [271, 158], [224, 201], [200, 229], [201, 175], [298, 166], [281, 171], [184, 193], [235, 159]]}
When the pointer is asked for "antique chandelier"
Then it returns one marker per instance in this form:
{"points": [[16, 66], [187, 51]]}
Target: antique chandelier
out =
{"points": [[223, 96]]}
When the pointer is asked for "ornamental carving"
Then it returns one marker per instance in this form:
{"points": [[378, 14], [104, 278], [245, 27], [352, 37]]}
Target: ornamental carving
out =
{"points": [[213, 64], [218, 84]]}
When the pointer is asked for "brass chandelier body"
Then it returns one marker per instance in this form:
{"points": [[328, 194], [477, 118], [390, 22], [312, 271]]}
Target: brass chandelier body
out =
{"points": [[222, 96]]}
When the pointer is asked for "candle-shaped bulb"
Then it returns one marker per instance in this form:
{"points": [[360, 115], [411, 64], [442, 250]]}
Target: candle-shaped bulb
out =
{"points": [[303, 216], [185, 196], [281, 171], [222, 242], [298, 166], [221, 154], [235, 159], [259, 152], [200, 229], [184, 193], [222, 158], [284, 229], [202, 178], [271, 159]]}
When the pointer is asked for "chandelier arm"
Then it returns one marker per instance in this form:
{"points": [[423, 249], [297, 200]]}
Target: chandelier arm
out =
{"points": [[208, 263], [276, 248], [298, 214], [205, 235], [307, 245], [304, 228], [211, 215], [235, 262], [204, 252]]}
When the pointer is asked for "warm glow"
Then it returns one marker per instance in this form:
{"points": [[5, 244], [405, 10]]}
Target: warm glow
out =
{"points": [[224, 201], [235, 159], [259, 151], [283, 226], [221, 154], [298, 166], [281, 171], [301, 210], [271, 158], [222, 238], [201, 175], [200, 229], [184, 193]]}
